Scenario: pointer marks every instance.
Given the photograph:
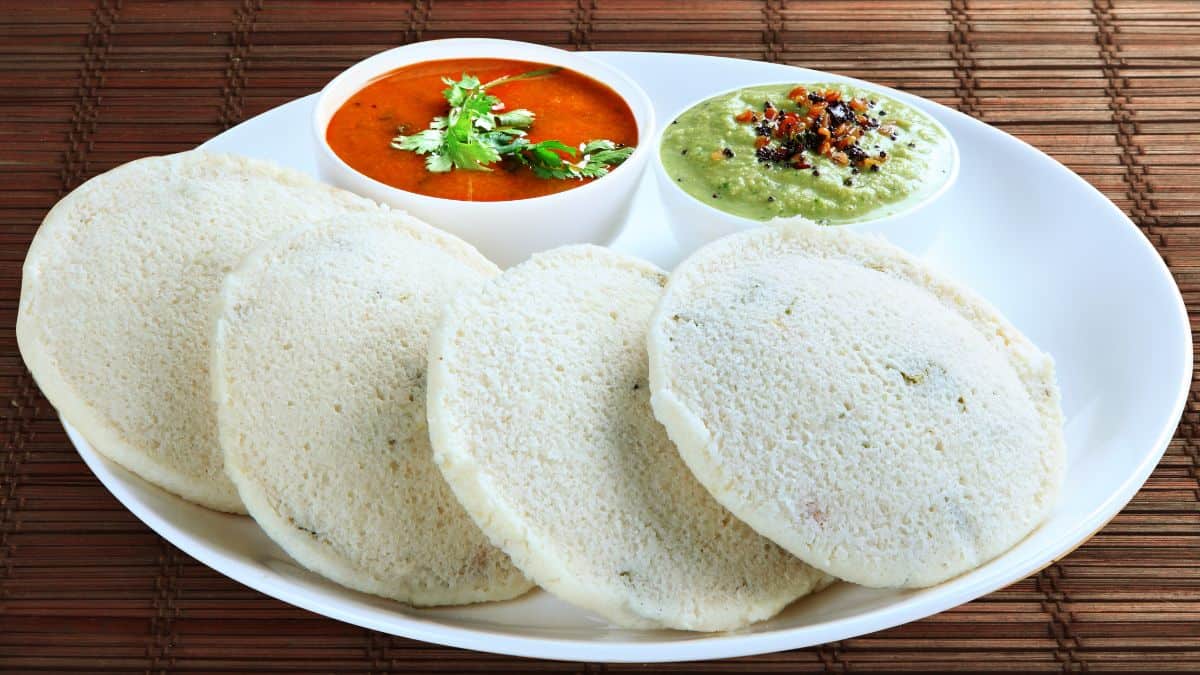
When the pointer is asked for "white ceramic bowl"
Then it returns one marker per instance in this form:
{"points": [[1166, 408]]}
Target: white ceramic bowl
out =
{"points": [[507, 231], [695, 223]]}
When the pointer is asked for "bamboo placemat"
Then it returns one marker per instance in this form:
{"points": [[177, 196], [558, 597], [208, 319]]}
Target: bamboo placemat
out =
{"points": [[1109, 87]]}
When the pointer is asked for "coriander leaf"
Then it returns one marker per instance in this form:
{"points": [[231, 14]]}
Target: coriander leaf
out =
{"points": [[593, 170], [469, 153], [544, 159], [555, 173], [438, 163], [479, 105], [545, 156], [518, 119], [422, 142], [545, 162], [611, 157], [596, 145], [555, 145], [507, 131], [458, 91], [485, 122], [603, 154], [606, 155], [504, 142], [474, 134]]}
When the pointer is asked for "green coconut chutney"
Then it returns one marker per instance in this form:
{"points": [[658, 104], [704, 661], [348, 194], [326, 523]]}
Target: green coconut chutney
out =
{"points": [[712, 156]]}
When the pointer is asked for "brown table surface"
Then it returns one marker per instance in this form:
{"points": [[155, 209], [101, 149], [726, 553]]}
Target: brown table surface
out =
{"points": [[1109, 87]]}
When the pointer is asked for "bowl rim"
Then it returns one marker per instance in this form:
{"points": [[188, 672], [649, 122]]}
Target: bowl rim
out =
{"points": [[648, 134], [910, 100]]}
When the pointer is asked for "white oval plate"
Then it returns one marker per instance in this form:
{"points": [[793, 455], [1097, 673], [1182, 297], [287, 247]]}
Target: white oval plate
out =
{"points": [[1059, 259]]}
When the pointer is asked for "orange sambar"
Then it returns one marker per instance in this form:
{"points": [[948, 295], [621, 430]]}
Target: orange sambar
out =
{"points": [[569, 107]]}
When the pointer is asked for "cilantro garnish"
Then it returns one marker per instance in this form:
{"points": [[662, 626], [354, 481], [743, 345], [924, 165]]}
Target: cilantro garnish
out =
{"points": [[476, 132], [598, 157]]}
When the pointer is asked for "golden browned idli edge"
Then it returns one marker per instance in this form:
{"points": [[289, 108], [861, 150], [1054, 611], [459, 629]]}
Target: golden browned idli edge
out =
{"points": [[540, 418], [879, 421], [116, 295], [318, 377]]}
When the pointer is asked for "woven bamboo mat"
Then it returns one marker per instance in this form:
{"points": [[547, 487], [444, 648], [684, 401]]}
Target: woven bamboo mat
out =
{"points": [[1109, 87]]}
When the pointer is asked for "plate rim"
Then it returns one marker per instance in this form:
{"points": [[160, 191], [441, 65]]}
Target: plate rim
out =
{"points": [[702, 645]]}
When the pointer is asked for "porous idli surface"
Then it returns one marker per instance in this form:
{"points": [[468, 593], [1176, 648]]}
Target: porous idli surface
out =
{"points": [[318, 376], [540, 417], [876, 419], [116, 296]]}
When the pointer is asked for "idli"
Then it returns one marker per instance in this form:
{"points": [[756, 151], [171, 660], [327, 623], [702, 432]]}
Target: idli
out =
{"points": [[879, 421], [116, 295], [540, 418], [319, 381]]}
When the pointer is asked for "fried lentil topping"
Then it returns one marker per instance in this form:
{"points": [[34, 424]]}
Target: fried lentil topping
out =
{"points": [[822, 125]]}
